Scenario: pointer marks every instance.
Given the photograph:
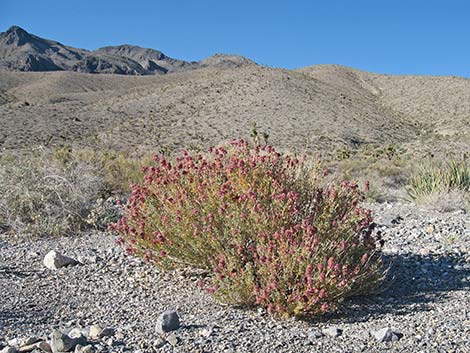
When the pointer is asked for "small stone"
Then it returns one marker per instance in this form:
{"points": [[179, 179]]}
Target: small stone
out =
{"points": [[14, 342], [95, 332], [64, 343], [32, 254], [8, 349], [107, 332], [424, 252], [332, 331], [173, 339], [88, 349], [429, 229], [70, 323], [84, 349], [207, 332], [119, 335], [159, 343], [168, 321], [44, 346], [386, 335], [364, 335], [53, 260], [30, 340], [314, 335], [77, 333], [31, 346]]}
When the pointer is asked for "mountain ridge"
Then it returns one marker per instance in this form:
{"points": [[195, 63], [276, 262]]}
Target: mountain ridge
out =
{"points": [[23, 51]]}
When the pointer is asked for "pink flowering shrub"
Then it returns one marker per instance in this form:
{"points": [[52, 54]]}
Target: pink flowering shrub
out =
{"points": [[260, 222]]}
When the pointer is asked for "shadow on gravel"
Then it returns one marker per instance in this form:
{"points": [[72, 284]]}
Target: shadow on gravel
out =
{"points": [[413, 282]]}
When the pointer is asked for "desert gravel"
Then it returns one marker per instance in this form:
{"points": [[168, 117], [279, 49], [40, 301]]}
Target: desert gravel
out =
{"points": [[424, 305]]}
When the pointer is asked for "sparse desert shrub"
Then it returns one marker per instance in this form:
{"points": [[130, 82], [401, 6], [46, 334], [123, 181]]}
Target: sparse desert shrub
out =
{"points": [[261, 223], [41, 197], [432, 179]]}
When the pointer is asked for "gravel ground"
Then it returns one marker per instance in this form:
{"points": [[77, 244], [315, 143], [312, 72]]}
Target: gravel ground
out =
{"points": [[425, 299]]}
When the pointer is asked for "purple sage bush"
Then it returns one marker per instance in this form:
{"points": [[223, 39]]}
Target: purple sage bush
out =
{"points": [[266, 227]]}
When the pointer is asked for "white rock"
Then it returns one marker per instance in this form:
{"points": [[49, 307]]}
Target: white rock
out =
{"points": [[119, 335], [78, 333], [88, 349], [53, 260], [32, 346], [159, 343], [314, 335], [84, 349], [332, 331], [14, 342], [94, 332], [173, 339], [386, 334], [64, 343]]}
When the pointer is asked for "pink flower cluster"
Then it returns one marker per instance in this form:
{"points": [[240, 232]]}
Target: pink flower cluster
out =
{"points": [[260, 222]]}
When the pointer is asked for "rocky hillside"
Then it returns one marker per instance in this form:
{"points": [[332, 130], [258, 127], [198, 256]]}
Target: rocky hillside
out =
{"points": [[22, 51]]}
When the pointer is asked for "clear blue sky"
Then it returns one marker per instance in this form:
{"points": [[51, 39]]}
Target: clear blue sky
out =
{"points": [[387, 36]]}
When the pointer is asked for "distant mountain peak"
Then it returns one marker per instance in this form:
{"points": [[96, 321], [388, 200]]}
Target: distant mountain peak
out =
{"points": [[22, 51], [16, 29], [16, 35]]}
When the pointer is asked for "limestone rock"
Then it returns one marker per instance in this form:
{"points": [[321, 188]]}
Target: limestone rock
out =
{"points": [[63, 343], [386, 335], [332, 331], [54, 260]]}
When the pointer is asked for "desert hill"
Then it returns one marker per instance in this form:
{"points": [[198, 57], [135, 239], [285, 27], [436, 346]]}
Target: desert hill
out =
{"points": [[315, 108]]}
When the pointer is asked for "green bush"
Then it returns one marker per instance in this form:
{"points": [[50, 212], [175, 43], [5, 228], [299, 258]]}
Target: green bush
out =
{"points": [[261, 223]]}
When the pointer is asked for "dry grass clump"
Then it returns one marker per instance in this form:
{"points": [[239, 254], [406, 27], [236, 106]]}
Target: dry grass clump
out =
{"points": [[118, 169], [63, 191], [262, 223], [42, 197]]}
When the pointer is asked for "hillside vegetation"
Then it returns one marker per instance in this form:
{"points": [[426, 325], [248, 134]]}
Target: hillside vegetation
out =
{"points": [[313, 109]]}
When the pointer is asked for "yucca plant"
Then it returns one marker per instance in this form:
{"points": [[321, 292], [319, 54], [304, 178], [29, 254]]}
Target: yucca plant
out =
{"points": [[431, 178]]}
